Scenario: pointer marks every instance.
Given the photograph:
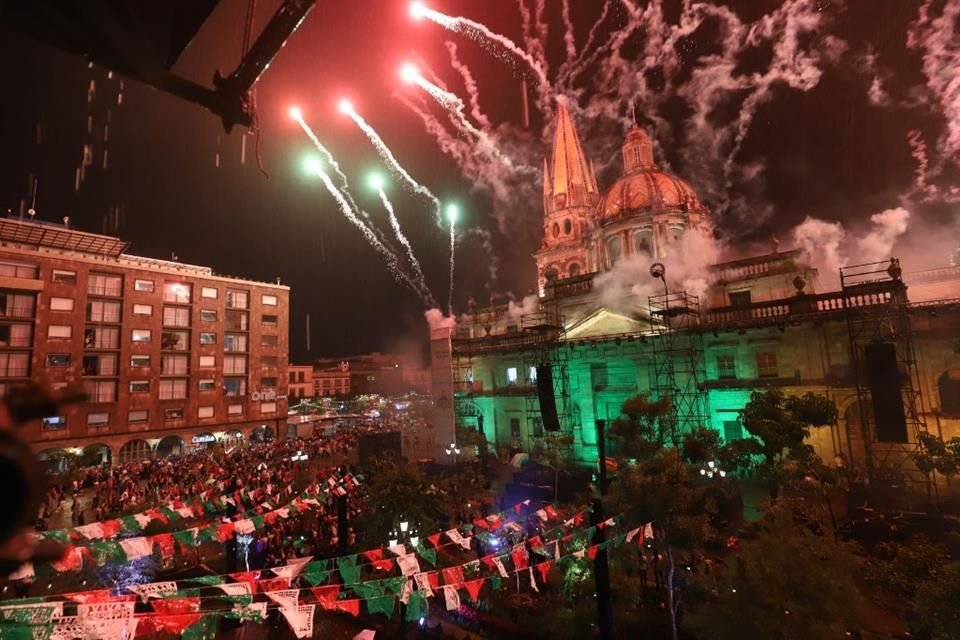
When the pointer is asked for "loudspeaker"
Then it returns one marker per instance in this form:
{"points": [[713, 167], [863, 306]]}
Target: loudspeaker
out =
{"points": [[883, 376], [548, 405]]}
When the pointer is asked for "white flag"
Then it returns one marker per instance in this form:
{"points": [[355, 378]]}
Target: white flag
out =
{"points": [[236, 589], [632, 534], [398, 549], [153, 589], [109, 628], [408, 565], [407, 590], [142, 519], [451, 597], [423, 584], [187, 512], [533, 582], [542, 514], [244, 526], [287, 598], [499, 564], [648, 531], [455, 536], [293, 568], [137, 548], [300, 619], [92, 531]]}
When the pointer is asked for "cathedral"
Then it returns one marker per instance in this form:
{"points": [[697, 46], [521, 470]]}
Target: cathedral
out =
{"points": [[632, 301]]}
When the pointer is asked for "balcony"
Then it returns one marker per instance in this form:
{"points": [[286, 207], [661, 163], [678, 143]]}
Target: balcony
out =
{"points": [[17, 311]]}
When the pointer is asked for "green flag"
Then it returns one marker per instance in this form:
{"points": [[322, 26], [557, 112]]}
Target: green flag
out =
{"points": [[206, 629], [369, 589], [185, 539], [349, 571], [316, 577], [60, 535], [395, 585], [382, 604], [417, 607], [171, 515], [211, 580], [430, 555], [105, 552]]}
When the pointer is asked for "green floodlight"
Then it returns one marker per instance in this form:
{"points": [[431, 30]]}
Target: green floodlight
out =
{"points": [[453, 212], [376, 182]]}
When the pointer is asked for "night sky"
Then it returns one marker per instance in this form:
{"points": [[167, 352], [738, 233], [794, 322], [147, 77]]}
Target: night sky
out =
{"points": [[835, 145]]}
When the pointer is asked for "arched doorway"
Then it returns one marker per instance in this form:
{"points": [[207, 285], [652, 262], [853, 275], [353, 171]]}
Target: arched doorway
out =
{"points": [[263, 433], [94, 455], [232, 440], [170, 446], [54, 460], [134, 451]]}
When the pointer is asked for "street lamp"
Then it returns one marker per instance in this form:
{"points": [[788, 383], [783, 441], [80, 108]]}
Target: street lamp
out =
{"points": [[300, 456], [712, 470], [453, 450]]}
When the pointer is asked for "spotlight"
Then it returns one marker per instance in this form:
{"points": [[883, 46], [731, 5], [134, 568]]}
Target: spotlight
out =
{"points": [[453, 212], [345, 107], [417, 10], [295, 113], [375, 181], [409, 73], [312, 165]]}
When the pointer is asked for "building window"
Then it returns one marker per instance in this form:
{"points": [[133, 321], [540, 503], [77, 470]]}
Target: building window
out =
{"points": [[235, 320], [268, 300], [268, 407], [948, 387], [145, 286], [101, 338], [235, 387], [207, 337], [173, 414], [235, 365], [173, 389], [468, 376], [208, 362], [208, 315], [61, 304], [105, 284], [60, 331], [175, 341], [205, 412], [732, 430], [268, 341], [234, 409], [101, 390], [767, 364], [176, 317], [268, 383], [14, 365], [235, 342], [140, 335], [643, 242], [103, 311], [511, 375], [740, 299], [514, 427], [138, 415], [143, 309], [98, 419], [536, 426], [207, 385], [532, 375], [63, 276], [613, 250], [268, 361], [237, 299], [139, 361], [16, 335], [726, 367], [269, 320], [139, 386], [176, 292], [574, 270], [103, 364], [16, 305], [58, 359], [53, 423], [174, 365], [209, 293]]}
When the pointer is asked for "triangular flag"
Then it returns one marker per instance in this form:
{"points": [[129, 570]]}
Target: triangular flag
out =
{"points": [[300, 619], [293, 567], [632, 534], [408, 565], [648, 531], [533, 581], [423, 584], [153, 589], [473, 588], [348, 606], [136, 548], [176, 606], [453, 575], [434, 540], [384, 565], [204, 629], [381, 604], [327, 595], [498, 563], [592, 551], [373, 554], [237, 592], [544, 569], [349, 569], [398, 549], [519, 556], [287, 599], [417, 607], [451, 597]]}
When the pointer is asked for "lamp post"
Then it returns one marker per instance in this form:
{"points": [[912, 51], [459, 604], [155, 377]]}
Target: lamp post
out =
{"points": [[453, 450]]}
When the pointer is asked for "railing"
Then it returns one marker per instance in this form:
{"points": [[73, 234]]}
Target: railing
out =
{"points": [[15, 372], [111, 291], [17, 311], [19, 271]]}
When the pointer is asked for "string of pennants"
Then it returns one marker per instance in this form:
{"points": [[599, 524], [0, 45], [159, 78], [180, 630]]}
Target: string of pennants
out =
{"points": [[99, 551], [165, 606]]}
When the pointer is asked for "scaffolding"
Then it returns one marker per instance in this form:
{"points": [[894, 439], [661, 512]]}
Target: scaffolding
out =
{"points": [[545, 330], [876, 309], [678, 368]]}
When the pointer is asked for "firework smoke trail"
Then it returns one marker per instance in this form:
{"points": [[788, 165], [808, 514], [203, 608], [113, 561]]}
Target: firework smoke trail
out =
{"points": [[393, 164], [392, 263], [571, 69], [543, 32], [531, 43], [471, 85], [482, 34], [402, 238], [453, 246]]}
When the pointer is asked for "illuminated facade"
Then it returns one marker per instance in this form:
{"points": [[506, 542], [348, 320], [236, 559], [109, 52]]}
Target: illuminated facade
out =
{"points": [[762, 323], [171, 355]]}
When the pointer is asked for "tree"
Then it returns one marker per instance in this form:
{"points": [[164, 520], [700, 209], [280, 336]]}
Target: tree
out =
{"points": [[786, 584], [396, 493], [782, 423], [935, 454], [643, 427], [935, 613]]}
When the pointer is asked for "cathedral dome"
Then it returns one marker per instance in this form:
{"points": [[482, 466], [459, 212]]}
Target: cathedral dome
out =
{"points": [[645, 188]]}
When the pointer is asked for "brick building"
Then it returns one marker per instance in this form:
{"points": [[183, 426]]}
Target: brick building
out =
{"points": [[171, 355], [300, 383]]}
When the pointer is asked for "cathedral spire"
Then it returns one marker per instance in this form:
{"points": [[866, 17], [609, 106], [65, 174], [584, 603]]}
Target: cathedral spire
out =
{"points": [[572, 175]]}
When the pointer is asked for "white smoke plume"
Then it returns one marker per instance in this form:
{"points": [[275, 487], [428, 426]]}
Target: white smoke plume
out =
{"points": [[527, 306], [437, 320], [473, 93]]}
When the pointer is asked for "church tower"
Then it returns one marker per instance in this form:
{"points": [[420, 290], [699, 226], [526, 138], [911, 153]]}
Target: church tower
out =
{"points": [[570, 194]]}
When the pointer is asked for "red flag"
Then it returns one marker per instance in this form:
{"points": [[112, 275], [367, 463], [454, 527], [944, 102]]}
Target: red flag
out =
{"points": [[274, 584], [536, 542], [453, 575], [578, 519], [551, 512], [567, 538], [373, 555], [326, 595], [384, 565], [488, 560], [434, 540], [225, 531], [473, 588], [519, 555], [480, 523], [176, 606], [88, 597], [111, 528], [156, 514], [592, 551], [349, 606], [544, 569], [433, 578], [71, 560], [250, 577], [166, 624], [271, 517], [165, 542], [495, 521]]}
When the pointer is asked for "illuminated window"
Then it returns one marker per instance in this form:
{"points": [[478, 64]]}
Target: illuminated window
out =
{"points": [[173, 414], [235, 342], [234, 409], [101, 390], [143, 309], [726, 367], [208, 315], [205, 412], [16, 305], [139, 361], [53, 423], [268, 407], [177, 292], [468, 376], [14, 365], [63, 276], [237, 299], [207, 337], [767, 364], [141, 335], [532, 374], [61, 304], [208, 362], [208, 292], [101, 338], [514, 427], [59, 331], [174, 365], [98, 419], [268, 341], [100, 364], [146, 286], [176, 317], [173, 389], [139, 386], [235, 365], [105, 284], [511, 375], [207, 385], [270, 301]]}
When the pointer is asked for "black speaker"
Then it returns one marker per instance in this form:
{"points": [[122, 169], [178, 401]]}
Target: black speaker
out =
{"points": [[548, 405], [883, 376]]}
